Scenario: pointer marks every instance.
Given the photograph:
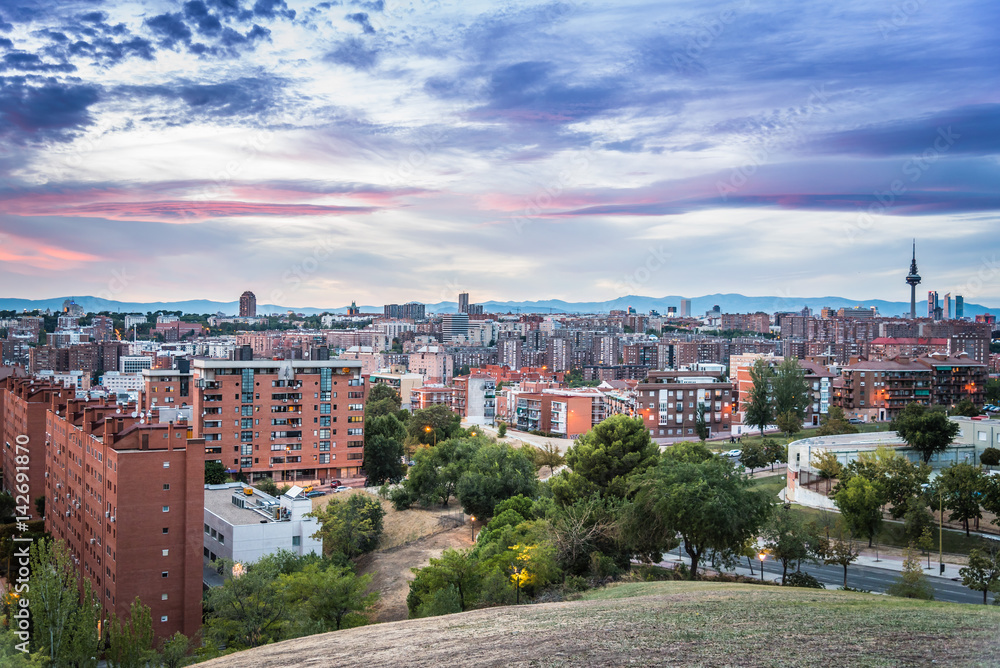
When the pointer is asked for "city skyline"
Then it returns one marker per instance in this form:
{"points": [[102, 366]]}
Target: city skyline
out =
{"points": [[155, 151]]}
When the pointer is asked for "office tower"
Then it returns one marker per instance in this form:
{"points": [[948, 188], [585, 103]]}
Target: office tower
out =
{"points": [[453, 326], [959, 307], [947, 306], [913, 279], [248, 305], [463, 302], [685, 308], [932, 303]]}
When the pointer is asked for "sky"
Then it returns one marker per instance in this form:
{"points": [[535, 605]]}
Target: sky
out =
{"points": [[386, 151]]}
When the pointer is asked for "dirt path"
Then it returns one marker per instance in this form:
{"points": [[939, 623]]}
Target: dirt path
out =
{"points": [[391, 573]]}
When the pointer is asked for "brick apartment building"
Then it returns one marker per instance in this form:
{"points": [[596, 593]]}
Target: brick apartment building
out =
{"points": [[127, 498], [819, 379], [23, 405], [668, 403], [881, 389], [566, 412], [290, 420], [433, 395]]}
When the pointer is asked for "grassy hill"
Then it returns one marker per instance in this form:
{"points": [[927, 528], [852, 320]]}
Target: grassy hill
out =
{"points": [[665, 623]]}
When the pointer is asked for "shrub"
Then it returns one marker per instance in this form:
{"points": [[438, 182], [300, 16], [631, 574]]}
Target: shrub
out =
{"points": [[800, 579]]}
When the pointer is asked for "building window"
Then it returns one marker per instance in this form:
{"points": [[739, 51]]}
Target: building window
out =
{"points": [[164, 617], [166, 465], [222, 539], [166, 530], [164, 574], [166, 486], [166, 553], [296, 541], [163, 597]]}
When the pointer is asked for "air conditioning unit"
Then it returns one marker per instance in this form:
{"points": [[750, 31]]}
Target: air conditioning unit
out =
{"points": [[92, 541], [46, 474], [67, 513], [107, 513], [112, 518]]}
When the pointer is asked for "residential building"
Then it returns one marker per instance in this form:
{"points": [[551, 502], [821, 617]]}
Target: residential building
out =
{"points": [[23, 405], [431, 395], [127, 498], [454, 327], [248, 305], [433, 363], [668, 405], [403, 383]]}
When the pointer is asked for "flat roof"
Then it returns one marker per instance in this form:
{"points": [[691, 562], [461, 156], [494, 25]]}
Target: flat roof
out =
{"points": [[852, 441], [220, 502], [208, 363]]}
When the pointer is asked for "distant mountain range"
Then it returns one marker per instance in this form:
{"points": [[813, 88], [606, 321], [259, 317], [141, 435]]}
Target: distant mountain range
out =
{"points": [[729, 303]]}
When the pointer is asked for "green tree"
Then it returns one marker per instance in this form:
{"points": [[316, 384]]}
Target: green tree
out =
{"points": [[963, 486], [924, 430], [495, 473], [548, 455], [586, 526], [708, 502], [835, 422], [789, 422], [859, 501], [840, 550], [248, 610], [990, 496], [917, 518], [130, 643], [174, 651], [788, 539], [215, 473], [384, 437], [775, 452], [267, 486], [436, 471], [993, 391], [700, 425], [382, 400], [352, 527], [603, 459], [502, 430], [754, 455], [983, 571], [990, 457], [455, 568], [827, 466], [926, 542], [899, 479], [965, 407], [443, 423], [328, 597], [64, 623], [912, 582], [757, 409], [790, 392]]}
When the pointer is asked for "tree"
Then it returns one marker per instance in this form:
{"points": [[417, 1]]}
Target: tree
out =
{"points": [[966, 408], [789, 422], [502, 430], [130, 643], [924, 430], [708, 502], [835, 422], [991, 496], [990, 457], [899, 479], [912, 583], [174, 651], [382, 400], [495, 473], [548, 455], [605, 457], [790, 393], [993, 391], [754, 456], [860, 501], [352, 527], [384, 437], [840, 550], [40, 503], [962, 485], [443, 423], [583, 528], [775, 452], [248, 610], [436, 471], [788, 539], [827, 466], [700, 426], [215, 473], [757, 409], [267, 486], [983, 572], [917, 519], [65, 623], [925, 543], [455, 568], [329, 597]]}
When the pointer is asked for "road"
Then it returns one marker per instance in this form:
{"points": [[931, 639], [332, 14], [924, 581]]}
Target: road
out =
{"points": [[862, 577]]}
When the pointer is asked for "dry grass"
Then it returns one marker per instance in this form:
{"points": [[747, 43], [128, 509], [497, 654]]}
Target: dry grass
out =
{"points": [[666, 623]]}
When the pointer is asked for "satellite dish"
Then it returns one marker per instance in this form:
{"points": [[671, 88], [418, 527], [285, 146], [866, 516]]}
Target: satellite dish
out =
{"points": [[134, 414], [143, 421], [118, 410]]}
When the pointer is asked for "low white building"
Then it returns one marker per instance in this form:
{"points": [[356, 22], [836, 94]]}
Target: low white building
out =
{"points": [[245, 527], [116, 382]]}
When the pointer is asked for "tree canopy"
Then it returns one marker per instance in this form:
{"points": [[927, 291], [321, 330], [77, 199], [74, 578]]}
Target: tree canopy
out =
{"points": [[757, 408], [926, 431]]}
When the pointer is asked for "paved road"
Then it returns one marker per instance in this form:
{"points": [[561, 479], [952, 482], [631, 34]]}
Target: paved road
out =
{"points": [[863, 577]]}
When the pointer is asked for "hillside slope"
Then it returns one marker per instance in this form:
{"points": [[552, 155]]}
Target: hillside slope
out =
{"points": [[665, 623]]}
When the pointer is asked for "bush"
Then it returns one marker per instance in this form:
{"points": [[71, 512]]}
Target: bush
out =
{"points": [[603, 566], [575, 583], [444, 601], [401, 498], [799, 579], [502, 430]]}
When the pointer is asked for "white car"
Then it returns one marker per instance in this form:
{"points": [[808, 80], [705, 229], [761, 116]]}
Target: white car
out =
{"points": [[732, 453], [342, 488]]}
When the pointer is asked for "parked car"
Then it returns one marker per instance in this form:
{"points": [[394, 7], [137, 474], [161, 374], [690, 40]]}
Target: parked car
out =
{"points": [[732, 453], [334, 484], [856, 421], [341, 488], [315, 493]]}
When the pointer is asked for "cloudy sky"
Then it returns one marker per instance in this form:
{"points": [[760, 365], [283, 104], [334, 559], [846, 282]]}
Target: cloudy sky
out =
{"points": [[319, 152]]}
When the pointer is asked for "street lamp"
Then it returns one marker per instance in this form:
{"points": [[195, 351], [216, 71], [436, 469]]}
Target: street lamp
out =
{"points": [[925, 487], [762, 556], [428, 429], [473, 525]]}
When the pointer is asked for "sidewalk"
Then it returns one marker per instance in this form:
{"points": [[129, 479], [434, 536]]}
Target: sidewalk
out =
{"points": [[892, 563]]}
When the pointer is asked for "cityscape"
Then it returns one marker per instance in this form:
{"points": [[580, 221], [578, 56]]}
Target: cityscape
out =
{"points": [[498, 334]]}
